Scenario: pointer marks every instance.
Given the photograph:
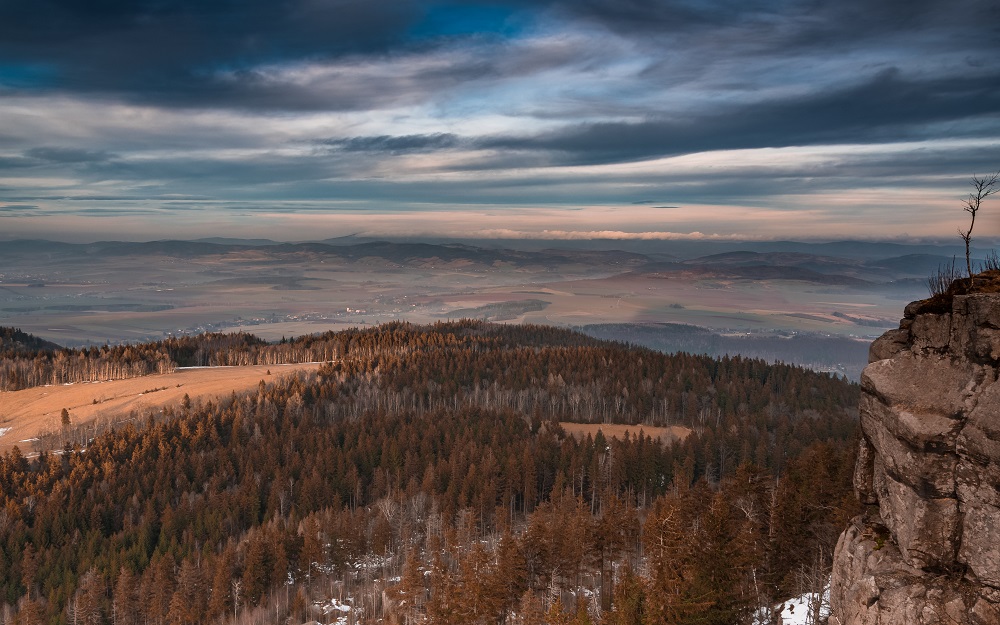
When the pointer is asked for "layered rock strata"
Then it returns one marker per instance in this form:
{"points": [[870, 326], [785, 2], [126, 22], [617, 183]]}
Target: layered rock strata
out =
{"points": [[927, 549]]}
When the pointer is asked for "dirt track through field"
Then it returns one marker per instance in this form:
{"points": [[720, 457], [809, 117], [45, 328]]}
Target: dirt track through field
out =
{"points": [[26, 414]]}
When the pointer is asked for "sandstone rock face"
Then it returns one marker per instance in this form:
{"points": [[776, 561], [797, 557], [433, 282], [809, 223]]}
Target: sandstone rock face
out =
{"points": [[927, 549]]}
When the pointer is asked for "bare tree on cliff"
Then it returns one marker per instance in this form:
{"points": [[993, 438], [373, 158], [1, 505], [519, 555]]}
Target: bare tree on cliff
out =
{"points": [[982, 188]]}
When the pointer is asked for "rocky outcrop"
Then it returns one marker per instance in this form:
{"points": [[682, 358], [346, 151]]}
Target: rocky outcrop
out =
{"points": [[927, 548]]}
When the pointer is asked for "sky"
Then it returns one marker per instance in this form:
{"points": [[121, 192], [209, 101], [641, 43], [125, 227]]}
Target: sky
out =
{"points": [[561, 119]]}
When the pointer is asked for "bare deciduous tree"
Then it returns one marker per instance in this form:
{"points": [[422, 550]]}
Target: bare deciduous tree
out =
{"points": [[982, 188]]}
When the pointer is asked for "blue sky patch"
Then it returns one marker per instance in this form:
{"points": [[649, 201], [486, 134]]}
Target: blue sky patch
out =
{"points": [[454, 20], [27, 75]]}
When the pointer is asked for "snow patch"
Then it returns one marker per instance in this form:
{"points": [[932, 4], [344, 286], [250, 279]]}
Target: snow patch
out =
{"points": [[371, 561], [335, 609], [5, 430], [798, 610]]}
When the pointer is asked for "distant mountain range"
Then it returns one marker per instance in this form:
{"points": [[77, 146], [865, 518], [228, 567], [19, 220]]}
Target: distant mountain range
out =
{"points": [[399, 253], [693, 248], [848, 263]]}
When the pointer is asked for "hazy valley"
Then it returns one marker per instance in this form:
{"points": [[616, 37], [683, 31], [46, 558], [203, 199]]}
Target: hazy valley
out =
{"points": [[809, 304]]}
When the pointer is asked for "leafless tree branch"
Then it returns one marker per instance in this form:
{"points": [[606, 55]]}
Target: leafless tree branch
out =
{"points": [[982, 188]]}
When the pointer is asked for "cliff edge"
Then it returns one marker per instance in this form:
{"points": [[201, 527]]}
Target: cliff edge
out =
{"points": [[927, 548]]}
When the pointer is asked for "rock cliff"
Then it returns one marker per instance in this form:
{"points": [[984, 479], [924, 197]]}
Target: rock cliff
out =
{"points": [[927, 549]]}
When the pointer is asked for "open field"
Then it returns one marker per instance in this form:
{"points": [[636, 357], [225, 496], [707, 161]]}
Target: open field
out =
{"points": [[610, 430], [26, 414]]}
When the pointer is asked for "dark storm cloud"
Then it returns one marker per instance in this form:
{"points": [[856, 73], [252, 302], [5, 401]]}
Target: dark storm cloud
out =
{"points": [[811, 22], [161, 34], [886, 108], [217, 53], [221, 54], [67, 155], [259, 175], [171, 50], [658, 15], [15, 162], [386, 143], [42, 156]]}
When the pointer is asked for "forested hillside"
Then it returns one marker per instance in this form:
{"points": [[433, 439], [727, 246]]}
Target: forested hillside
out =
{"points": [[33, 362], [13, 341], [422, 476], [24, 366]]}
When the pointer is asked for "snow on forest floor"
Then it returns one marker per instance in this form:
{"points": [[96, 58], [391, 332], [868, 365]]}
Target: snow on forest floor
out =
{"points": [[796, 611], [334, 609]]}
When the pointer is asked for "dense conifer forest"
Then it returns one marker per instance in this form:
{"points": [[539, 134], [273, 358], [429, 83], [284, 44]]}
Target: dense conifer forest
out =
{"points": [[14, 342], [27, 361], [422, 475]]}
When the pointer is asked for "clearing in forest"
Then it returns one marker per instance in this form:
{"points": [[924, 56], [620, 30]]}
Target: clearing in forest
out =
{"points": [[29, 413], [617, 430]]}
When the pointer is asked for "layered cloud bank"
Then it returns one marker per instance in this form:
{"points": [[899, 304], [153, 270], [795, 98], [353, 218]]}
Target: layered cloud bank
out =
{"points": [[556, 119]]}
